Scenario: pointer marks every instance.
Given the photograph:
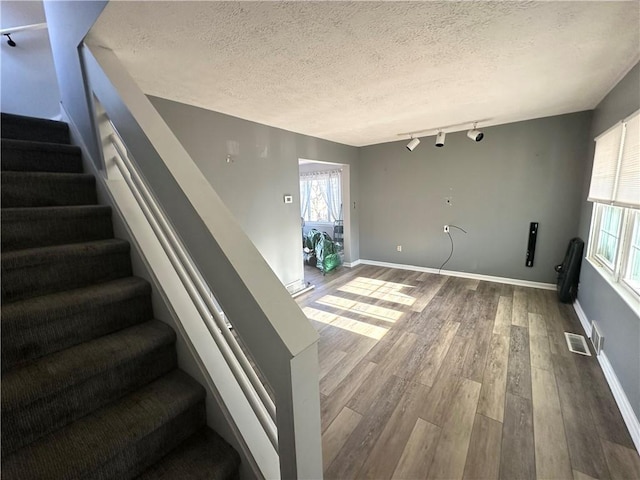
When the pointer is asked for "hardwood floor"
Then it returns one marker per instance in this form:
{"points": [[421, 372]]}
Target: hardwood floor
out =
{"points": [[428, 376]]}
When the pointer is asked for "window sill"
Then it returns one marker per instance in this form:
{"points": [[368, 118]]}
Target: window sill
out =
{"points": [[630, 299]]}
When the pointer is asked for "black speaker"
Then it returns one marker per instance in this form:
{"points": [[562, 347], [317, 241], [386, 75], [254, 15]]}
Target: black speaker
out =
{"points": [[531, 247], [569, 271]]}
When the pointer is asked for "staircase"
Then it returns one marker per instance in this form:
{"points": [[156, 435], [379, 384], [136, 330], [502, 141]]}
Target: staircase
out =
{"points": [[90, 384]]}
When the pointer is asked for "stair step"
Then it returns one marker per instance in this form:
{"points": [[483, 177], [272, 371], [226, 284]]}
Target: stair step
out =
{"points": [[39, 271], [19, 127], [90, 387], [121, 439], [43, 325], [44, 189], [203, 456], [59, 388], [46, 226], [22, 155]]}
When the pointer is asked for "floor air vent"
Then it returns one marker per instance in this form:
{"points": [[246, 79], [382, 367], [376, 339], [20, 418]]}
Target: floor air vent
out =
{"points": [[577, 344], [596, 338]]}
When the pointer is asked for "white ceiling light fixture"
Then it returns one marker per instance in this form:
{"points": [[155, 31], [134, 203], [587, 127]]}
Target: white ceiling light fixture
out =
{"points": [[440, 139], [475, 134], [413, 143]]}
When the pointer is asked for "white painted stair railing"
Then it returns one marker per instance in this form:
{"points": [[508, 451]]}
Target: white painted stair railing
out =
{"points": [[209, 252]]}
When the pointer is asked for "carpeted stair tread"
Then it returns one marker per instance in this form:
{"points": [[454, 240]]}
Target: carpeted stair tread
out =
{"points": [[19, 127], [59, 388], [22, 155], [42, 325], [205, 455], [39, 271], [45, 189], [90, 388], [45, 226], [119, 440]]}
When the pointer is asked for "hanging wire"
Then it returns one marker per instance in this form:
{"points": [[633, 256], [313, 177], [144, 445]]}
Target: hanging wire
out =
{"points": [[451, 240]]}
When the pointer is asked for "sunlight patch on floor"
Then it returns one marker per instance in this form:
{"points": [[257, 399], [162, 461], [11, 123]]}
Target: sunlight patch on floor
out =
{"points": [[355, 326], [380, 290], [360, 308]]}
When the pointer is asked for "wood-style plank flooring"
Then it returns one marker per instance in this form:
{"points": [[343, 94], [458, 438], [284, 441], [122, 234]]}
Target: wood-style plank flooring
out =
{"points": [[429, 376]]}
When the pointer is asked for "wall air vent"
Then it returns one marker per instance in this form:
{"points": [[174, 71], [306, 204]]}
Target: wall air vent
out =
{"points": [[596, 338], [577, 344]]}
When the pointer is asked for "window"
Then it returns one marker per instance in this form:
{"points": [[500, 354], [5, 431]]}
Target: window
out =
{"points": [[608, 234], [614, 246], [321, 196], [632, 267]]}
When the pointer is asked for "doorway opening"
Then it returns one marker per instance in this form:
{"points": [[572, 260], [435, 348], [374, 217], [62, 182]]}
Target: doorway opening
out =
{"points": [[324, 207]]}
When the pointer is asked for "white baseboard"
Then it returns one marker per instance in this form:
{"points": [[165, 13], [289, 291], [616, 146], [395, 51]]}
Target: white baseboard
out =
{"points": [[296, 286], [628, 415], [586, 324], [451, 273], [352, 264], [304, 290]]}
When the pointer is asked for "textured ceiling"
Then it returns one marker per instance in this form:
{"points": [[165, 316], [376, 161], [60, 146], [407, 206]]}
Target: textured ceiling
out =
{"points": [[359, 73]]}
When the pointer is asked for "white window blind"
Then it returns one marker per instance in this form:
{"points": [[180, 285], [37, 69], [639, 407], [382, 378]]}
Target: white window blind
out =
{"points": [[628, 192], [605, 165], [615, 178]]}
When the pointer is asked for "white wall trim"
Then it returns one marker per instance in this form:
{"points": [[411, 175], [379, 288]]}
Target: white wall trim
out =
{"points": [[586, 324], [352, 264], [451, 273], [296, 286], [628, 415]]}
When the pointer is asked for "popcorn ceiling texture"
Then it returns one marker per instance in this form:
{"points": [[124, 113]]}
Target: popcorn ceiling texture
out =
{"points": [[359, 73]]}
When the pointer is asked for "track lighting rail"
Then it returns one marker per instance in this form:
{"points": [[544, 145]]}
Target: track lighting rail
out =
{"points": [[446, 129], [474, 134]]}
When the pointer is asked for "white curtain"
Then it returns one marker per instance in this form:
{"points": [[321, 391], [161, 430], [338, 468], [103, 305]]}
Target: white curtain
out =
{"points": [[330, 190], [305, 196], [334, 194]]}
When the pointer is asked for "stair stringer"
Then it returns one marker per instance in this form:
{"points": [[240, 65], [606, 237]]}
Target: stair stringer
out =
{"points": [[171, 303]]}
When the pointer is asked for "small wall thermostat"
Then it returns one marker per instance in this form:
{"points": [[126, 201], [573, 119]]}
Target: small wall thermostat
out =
{"points": [[288, 199]]}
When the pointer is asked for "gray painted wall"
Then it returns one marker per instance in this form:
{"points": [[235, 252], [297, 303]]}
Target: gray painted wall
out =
{"points": [[521, 172], [69, 22], [619, 324], [263, 171], [28, 77]]}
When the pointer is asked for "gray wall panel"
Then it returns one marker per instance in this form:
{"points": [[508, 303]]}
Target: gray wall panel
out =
{"points": [[521, 172], [68, 23], [29, 85], [617, 321], [263, 171]]}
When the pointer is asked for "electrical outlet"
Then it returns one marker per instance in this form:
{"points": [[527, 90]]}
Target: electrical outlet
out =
{"points": [[399, 248], [446, 229]]}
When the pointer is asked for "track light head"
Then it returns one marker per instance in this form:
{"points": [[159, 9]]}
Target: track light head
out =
{"points": [[10, 42], [440, 139], [475, 135], [413, 143]]}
